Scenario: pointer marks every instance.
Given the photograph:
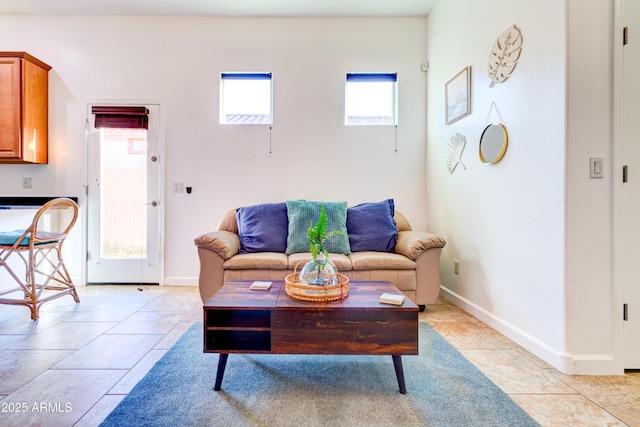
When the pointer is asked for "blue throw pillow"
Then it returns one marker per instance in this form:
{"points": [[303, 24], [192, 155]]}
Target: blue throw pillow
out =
{"points": [[302, 212], [371, 227], [263, 228]]}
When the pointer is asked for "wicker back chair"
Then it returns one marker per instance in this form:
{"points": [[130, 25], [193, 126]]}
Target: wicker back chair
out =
{"points": [[39, 246]]}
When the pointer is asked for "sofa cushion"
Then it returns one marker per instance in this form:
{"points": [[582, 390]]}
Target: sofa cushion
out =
{"points": [[341, 262], [402, 224], [404, 280], [302, 212], [228, 222], [371, 227], [380, 261], [263, 228], [264, 260]]}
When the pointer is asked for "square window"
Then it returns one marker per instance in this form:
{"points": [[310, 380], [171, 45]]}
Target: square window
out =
{"points": [[371, 99], [136, 145], [245, 98]]}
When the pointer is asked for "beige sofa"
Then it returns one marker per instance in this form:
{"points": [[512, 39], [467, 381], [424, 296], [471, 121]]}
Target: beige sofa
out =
{"points": [[413, 268]]}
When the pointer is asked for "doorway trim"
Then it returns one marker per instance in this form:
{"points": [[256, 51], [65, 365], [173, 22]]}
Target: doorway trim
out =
{"points": [[618, 272], [84, 208]]}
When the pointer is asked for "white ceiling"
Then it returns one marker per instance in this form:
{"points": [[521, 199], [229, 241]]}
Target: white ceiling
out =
{"points": [[220, 7]]}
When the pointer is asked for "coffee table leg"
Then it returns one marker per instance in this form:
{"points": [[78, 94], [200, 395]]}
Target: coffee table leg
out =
{"points": [[397, 363], [222, 363]]}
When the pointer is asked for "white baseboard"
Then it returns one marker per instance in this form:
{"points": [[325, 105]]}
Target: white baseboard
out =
{"points": [[562, 361], [180, 281], [168, 281], [595, 364]]}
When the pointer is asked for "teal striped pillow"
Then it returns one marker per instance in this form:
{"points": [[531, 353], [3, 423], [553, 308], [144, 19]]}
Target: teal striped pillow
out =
{"points": [[302, 212]]}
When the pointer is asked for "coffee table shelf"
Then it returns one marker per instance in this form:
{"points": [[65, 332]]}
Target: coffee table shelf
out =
{"points": [[238, 341], [240, 319], [238, 330]]}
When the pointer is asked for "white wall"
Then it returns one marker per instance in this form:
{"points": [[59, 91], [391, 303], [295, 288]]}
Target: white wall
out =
{"points": [[177, 61], [530, 232], [591, 315]]}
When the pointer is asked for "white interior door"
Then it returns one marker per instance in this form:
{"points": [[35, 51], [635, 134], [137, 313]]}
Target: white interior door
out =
{"points": [[628, 230], [124, 206]]}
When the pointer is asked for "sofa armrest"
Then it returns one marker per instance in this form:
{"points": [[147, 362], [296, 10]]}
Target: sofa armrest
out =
{"points": [[413, 243], [224, 243]]}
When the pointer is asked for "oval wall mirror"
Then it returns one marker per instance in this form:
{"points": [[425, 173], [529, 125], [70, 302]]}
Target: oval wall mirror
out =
{"points": [[493, 143]]}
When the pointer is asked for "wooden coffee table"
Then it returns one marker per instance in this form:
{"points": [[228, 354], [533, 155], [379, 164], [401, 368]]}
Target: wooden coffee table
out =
{"points": [[240, 320]]}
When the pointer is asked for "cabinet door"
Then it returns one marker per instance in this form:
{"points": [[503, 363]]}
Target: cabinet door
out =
{"points": [[34, 133], [10, 144]]}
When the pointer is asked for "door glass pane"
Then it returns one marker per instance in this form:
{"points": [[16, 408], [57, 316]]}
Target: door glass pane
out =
{"points": [[123, 192]]}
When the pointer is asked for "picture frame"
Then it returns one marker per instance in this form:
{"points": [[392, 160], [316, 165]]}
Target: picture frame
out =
{"points": [[458, 96]]}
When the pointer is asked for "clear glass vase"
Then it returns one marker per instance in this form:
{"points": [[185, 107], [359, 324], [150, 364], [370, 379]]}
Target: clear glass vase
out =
{"points": [[317, 273]]}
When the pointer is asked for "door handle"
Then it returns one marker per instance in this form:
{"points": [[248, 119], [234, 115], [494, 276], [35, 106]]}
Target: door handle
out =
{"points": [[153, 203]]}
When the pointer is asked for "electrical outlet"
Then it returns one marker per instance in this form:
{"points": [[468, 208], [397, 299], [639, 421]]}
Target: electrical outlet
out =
{"points": [[27, 182], [456, 266], [178, 187]]}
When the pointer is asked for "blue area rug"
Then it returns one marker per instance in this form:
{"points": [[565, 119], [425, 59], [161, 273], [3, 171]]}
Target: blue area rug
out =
{"points": [[443, 389]]}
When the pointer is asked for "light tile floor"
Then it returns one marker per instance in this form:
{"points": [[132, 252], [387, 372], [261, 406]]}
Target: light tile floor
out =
{"points": [[75, 364]]}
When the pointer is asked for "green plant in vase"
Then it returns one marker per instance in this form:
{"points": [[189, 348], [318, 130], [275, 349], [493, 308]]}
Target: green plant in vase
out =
{"points": [[318, 270]]}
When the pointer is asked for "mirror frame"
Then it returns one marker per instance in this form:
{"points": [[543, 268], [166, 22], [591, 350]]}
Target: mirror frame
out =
{"points": [[503, 148]]}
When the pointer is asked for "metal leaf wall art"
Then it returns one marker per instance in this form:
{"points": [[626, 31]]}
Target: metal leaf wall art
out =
{"points": [[504, 55], [454, 152]]}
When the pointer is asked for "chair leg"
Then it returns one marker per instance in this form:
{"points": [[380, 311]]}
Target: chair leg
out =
{"points": [[74, 292], [67, 277], [34, 311], [32, 296]]}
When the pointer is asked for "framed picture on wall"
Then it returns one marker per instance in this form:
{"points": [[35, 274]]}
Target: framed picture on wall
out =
{"points": [[458, 96]]}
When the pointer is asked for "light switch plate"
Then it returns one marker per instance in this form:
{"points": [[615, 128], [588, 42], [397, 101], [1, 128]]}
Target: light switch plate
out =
{"points": [[178, 187], [596, 167]]}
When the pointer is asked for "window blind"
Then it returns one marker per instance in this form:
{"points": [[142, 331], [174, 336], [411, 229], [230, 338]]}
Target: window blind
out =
{"points": [[372, 77], [246, 76], [121, 117]]}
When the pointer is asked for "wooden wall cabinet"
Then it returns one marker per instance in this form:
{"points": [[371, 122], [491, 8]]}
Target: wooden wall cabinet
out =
{"points": [[24, 110]]}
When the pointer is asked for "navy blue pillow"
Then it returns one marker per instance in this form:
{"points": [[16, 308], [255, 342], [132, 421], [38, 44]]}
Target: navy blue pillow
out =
{"points": [[263, 228], [371, 227]]}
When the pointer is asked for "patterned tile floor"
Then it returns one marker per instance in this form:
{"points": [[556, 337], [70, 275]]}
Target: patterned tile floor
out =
{"points": [[75, 364]]}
